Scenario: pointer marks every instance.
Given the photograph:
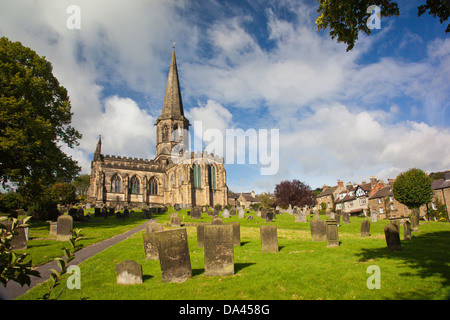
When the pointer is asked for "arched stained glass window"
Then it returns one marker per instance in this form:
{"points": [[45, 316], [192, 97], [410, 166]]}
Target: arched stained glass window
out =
{"points": [[153, 186], [135, 185], [116, 183], [197, 176]]}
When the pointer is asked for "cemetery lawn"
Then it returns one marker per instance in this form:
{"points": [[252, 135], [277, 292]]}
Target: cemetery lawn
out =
{"points": [[301, 270]]}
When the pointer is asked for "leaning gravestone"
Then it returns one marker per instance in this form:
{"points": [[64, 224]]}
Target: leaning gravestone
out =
{"points": [[129, 272], [18, 242], [345, 217], [269, 238], [219, 250], [318, 230], [365, 228], [174, 258], [407, 230], [225, 213], [392, 237], [151, 241], [332, 233], [64, 228]]}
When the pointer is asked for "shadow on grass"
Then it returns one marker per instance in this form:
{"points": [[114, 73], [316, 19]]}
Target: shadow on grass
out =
{"points": [[427, 254], [237, 267]]}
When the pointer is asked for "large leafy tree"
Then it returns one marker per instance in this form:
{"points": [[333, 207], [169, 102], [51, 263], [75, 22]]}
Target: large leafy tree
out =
{"points": [[346, 18], [35, 122], [412, 188], [295, 193]]}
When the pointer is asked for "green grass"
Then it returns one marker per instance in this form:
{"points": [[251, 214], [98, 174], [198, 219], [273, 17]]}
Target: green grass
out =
{"points": [[302, 269]]}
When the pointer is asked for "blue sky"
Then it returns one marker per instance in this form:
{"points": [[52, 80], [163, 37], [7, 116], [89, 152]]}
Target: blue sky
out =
{"points": [[377, 110]]}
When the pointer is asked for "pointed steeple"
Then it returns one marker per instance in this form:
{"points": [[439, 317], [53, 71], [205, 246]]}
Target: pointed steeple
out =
{"points": [[98, 150], [173, 105]]}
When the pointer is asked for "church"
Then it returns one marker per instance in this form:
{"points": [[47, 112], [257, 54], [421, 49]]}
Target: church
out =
{"points": [[175, 176]]}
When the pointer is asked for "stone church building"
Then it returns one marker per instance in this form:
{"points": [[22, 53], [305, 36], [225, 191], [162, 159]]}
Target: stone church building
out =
{"points": [[174, 176]]}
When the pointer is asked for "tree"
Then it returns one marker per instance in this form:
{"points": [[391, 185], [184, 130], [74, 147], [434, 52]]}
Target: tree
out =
{"points": [[412, 188], [347, 17], [81, 184], [266, 200], [63, 193], [35, 122], [295, 193]]}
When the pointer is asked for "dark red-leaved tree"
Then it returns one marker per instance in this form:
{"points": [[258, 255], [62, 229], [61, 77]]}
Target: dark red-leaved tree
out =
{"points": [[295, 193]]}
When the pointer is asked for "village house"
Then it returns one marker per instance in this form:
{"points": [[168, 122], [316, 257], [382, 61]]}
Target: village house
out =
{"points": [[328, 195], [441, 193], [385, 206], [245, 200]]}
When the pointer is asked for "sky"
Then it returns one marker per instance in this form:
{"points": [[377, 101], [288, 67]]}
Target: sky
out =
{"points": [[251, 65]]}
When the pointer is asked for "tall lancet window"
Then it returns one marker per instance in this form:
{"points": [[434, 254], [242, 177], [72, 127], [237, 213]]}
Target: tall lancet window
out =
{"points": [[197, 176], [116, 183], [212, 176], [135, 185], [165, 133], [153, 186]]}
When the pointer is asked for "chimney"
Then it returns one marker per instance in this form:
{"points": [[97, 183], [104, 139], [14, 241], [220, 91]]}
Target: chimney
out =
{"points": [[253, 194], [324, 187], [340, 183]]}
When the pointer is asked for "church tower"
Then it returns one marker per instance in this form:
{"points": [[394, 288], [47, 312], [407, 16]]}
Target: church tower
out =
{"points": [[171, 125]]}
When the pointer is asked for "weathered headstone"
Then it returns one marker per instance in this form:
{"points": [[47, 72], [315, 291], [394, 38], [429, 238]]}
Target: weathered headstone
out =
{"points": [[151, 241], [332, 233], [174, 258], [269, 216], [263, 213], [300, 217], [129, 272], [196, 213], [365, 228], [219, 250], [225, 213], [18, 242], [241, 213], [232, 212], [345, 217], [200, 235], [269, 238], [414, 222], [318, 230], [53, 228], [217, 221], [392, 237], [337, 217], [64, 228], [332, 215], [407, 230], [374, 216], [175, 221], [236, 233]]}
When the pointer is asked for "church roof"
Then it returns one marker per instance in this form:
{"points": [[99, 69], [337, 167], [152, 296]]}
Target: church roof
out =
{"points": [[173, 105]]}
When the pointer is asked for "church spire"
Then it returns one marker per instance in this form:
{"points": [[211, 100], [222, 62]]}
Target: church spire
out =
{"points": [[98, 150], [173, 105]]}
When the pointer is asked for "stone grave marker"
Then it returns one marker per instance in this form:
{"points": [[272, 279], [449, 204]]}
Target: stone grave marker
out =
{"points": [[332, 233], [64, 228], [175, 220], [365, 228], [392, 237], [241, 213], [196, 213], [200, 235], [219, 250], [300, 217], [345, 217], [225, 213], [18, 242], [174, 258], [318, 230], [236, 233], [263, 213], [374, 216], [53, 228], [407, 230], [151, 241], [129, 272], [269, 238], [337, 217], [217, 221], [332, 215], [232, 212], [269, 216]]}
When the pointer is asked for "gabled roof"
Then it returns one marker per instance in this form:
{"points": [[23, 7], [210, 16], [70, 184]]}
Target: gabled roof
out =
{"points": [[327, 191], [382, 193]]}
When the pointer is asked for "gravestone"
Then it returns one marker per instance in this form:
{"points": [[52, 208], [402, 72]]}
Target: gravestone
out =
{"points": [[318, 230], [200, 235], [105, 212], [18, 242], [236, 233], [332, 233], [414, 223], [64, 228], [345, 217], [241, 213], [196, 213], [53, 228], [374, 216], [232, 212], [269, 216], [337, 217], [263, 213], [219, 250], [129, 272], [97, 212], [217, 221], [332, 215], [225, 213], [300, 217], [151, 241], [365, 228], [269, 238], [175, 221], [174, 258], [407, 230], [392, 236]]}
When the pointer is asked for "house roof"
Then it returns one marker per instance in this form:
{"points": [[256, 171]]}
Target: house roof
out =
{"points": [[382, 193], [327, 192]]}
